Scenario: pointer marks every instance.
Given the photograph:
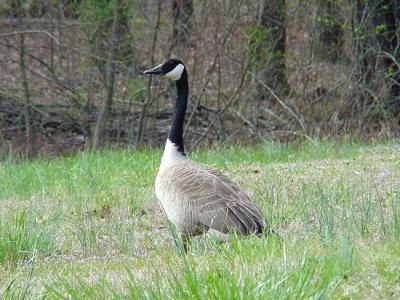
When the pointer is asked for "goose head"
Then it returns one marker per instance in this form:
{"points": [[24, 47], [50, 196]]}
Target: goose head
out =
{"points": [[171, 68]]}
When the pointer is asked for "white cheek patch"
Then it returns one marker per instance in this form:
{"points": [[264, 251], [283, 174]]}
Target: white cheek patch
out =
{"points": [[176, 73]]}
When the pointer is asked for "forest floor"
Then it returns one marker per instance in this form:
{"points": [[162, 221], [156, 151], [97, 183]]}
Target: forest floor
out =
{"points": [[88, 227]]}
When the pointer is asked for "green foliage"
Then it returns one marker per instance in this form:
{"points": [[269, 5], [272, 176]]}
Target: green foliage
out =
{"points": [[95, 11], [135, 88], [261, 50], [391, 71], [5, 6], [256, 34], [380, 28]]}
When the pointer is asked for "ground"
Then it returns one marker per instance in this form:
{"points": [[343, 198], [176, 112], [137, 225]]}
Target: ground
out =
{"points": [[88, 226]]}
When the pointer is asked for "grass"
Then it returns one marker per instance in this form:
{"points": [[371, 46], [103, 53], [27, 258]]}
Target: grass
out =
{"points": [[88, 226]]}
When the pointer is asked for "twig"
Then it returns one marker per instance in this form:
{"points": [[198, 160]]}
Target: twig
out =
{"points": [[384, 53], [211, 69], [231, 99], [295, 133], [252, 128], [279, 100], [31, 31], [149, 98]]}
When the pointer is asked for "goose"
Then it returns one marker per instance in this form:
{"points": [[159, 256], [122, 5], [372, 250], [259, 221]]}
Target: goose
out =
{"points": [[196, 197]]}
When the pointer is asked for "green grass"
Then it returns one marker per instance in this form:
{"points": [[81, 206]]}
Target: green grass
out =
{"points": [[88, 226]]}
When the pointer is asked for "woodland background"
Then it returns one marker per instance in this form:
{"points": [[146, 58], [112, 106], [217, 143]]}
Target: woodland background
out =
{"points": [[70, 71]]}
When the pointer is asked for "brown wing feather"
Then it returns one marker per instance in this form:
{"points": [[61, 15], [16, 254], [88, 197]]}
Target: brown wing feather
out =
{"points": [[220, 204]]}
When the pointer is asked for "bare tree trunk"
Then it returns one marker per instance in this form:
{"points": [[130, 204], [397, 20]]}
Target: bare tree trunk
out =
{"points": [[388, 15], [51, 30], [60, 27], [3, 147], [110, 78], [3, 150], [273, 18], [142, 119], [182, 12], [382, 30], [30, 141]]}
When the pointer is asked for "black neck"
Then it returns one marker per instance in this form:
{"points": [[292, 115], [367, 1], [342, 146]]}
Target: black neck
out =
{"points": [[176, 132]]}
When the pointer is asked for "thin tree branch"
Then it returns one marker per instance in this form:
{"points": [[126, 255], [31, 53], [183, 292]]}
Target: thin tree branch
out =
{"points": [[279, 100], [230, 101], [31, 31]]}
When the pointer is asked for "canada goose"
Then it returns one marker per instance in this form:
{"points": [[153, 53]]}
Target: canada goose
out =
{"points": [[195, 196]]}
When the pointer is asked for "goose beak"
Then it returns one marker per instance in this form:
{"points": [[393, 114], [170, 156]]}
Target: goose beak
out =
{"points": [[156, 71]]}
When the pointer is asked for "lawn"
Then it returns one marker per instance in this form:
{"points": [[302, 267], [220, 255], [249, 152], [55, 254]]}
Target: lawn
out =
{"points": [[89, 227]]}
